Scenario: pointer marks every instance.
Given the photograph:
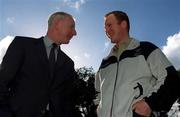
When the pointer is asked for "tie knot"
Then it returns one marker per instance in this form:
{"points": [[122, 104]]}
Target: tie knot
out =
{"points": [[54, 45]]}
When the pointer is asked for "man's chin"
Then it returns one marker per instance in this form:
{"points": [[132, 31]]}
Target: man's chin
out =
{"points": [[67, 42]]}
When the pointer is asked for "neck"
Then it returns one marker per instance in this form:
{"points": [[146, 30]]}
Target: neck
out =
{"points": [[52, 36], [122, 40]]}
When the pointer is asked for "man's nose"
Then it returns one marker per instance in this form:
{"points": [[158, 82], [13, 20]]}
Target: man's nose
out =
{"points": [[74, 33]]}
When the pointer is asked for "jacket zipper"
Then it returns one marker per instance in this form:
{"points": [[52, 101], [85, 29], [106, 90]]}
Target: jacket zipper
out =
{"points": [[114, 89]]}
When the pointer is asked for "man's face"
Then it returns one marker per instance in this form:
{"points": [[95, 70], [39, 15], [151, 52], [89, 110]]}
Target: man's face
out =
{"points": [[66, 30], [112, 28]]}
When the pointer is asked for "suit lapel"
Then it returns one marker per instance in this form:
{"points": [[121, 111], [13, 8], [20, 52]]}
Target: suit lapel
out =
{"points": [[61, 59], [42, 54]]}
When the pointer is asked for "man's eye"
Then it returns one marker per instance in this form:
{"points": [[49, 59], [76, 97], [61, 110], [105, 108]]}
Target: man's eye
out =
{"points": [[107, 25]]}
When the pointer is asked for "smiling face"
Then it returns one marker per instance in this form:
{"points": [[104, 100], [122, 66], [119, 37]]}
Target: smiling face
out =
{"points": [[116, 31]]}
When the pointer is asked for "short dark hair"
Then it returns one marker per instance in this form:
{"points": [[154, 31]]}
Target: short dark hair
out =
{"points": [[120, 16]]}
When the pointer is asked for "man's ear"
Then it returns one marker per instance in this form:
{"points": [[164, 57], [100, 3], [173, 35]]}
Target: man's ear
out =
{"points": [[124, 24]]}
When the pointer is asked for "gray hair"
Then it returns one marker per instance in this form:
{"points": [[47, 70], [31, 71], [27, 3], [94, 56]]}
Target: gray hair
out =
{"points": [[57, 16]]}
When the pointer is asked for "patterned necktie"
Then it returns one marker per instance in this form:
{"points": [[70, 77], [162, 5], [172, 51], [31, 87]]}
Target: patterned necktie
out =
{"points": [[52, 59]]}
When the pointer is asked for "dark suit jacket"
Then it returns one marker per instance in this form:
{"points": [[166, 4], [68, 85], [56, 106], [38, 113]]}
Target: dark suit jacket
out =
{"points": [[25, 84]]}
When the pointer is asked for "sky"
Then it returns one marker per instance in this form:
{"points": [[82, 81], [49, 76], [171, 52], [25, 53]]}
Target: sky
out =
{"points": [[157, 21]]}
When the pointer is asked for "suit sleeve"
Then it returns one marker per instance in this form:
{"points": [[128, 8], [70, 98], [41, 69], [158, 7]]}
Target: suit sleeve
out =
{"points": [[165, 90], [9, 68]]}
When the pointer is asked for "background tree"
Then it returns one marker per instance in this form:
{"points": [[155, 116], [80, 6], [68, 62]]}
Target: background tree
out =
{"points": [[85, 93]]}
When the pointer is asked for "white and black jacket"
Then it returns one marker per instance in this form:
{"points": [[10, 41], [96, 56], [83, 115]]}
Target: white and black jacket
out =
{"points": [[141, 72]]}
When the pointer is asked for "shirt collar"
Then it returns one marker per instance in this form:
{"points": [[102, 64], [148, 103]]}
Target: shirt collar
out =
{"points": [[124, 44], [47, 41]]}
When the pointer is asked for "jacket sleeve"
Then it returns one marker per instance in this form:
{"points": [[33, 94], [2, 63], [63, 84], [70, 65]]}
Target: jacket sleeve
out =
{"points": [[165, 90], [9, 68], [97, 87]]}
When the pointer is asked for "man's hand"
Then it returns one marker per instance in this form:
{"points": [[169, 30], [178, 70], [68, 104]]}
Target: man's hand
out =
{"points": [[142, 108]]}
